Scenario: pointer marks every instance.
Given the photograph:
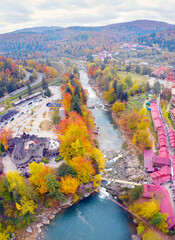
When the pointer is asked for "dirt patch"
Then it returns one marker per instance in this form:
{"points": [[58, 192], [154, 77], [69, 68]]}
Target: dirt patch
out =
{"points": [[47, 115], [30, 124], [44, 115], [27, 130], [46, 125], [34, 116]]}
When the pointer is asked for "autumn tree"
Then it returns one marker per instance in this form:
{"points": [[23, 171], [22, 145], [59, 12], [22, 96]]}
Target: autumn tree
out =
{"points": [[83, 168], [5, 137], [118, 107], [29, 89], [66, 169], [38, 173], [7, 102], [110, 96], [76, 141], [69, 185], [56, 117]]}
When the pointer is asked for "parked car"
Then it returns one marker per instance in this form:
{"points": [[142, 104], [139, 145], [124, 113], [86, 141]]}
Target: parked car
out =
{"points": [[30, 103], [20, 114], [5, 123], [11, 119]]}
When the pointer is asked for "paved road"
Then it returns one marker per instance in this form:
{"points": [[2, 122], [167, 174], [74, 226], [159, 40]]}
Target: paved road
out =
{"points": [[40, 76], [27, 76]]}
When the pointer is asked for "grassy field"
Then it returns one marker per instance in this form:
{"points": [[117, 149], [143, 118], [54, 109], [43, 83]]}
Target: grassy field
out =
{"points": [[135, 76], [137, 100]]}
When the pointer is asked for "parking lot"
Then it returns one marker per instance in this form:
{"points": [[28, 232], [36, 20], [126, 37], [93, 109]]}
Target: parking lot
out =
{"points": [[31, 114]]}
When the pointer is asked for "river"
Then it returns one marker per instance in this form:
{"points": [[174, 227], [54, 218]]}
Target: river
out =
{"points": [[95, 217]]}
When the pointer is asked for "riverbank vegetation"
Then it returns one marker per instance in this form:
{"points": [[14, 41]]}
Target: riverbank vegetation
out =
{"points": [[21, 198], [120, 95], [149, 210]]}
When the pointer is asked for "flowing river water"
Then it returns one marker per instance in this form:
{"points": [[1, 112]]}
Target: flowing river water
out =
{"points": [[96, 217]]}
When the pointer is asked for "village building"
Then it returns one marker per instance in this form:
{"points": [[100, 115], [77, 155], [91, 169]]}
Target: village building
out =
{"points": [[169, 80], [160, 193], [172, 114], [160, 71], [31, 148]]}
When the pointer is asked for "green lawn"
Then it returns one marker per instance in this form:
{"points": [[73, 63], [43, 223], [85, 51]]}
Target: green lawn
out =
{"points": [[135, 76], [137, 100]]}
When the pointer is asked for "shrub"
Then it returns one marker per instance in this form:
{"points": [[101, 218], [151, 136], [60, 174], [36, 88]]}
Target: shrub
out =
{"points": [[58, 159], [45, 160], [137, 192], [66, 169]]}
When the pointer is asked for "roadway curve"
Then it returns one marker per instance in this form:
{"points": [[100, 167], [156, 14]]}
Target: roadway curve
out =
{"points": [[40, 76]]}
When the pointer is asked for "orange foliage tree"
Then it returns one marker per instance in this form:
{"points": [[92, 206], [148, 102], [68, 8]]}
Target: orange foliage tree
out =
{"points": [[69, 184], [5, 137], [67, 102], [83, 168]]}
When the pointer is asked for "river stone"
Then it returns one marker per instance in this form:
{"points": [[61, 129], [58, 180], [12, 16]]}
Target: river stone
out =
{"points": [[136, 237], [45, 221], [51, 216], [29, 229], [55, 211], [135, 221], [86, 194], [39, 225]]}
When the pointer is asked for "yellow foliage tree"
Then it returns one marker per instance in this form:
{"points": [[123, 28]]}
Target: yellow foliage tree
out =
{"points": [[96, 180], [141, 139], [98, 157], [118, 107], [147, 209], [38, 173], [75, 141], [69, 184], [151, 235], [83, 168], [26, 206]]}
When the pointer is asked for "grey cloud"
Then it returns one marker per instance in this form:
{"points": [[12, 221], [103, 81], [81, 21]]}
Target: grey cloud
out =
{"points": [[19, 13]]}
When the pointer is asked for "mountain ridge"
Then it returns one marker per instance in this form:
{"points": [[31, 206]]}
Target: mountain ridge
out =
{"points": [[84, 40]]}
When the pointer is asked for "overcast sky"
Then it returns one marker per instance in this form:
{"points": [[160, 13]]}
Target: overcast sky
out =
{"points": [[17, 14]]}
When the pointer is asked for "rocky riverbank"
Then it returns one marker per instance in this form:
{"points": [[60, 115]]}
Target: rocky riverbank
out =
{"points": [[123, 165]]}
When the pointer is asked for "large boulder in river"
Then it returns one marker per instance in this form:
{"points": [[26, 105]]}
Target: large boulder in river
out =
{"points": [[110, 155]]}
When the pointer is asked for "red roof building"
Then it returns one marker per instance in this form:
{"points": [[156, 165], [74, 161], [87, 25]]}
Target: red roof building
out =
{"points": [[163, 152], [172, 114], [148, 160], [172, 137], [157, 124], [169, 80], [161, 193], [159, 161]]}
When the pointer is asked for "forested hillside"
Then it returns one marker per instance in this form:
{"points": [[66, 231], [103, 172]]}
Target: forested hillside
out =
{"points": [[77, 41], [12, 73]]}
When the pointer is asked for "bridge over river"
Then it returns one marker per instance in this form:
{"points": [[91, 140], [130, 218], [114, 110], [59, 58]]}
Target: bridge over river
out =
{"points": [[121, 181]]}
